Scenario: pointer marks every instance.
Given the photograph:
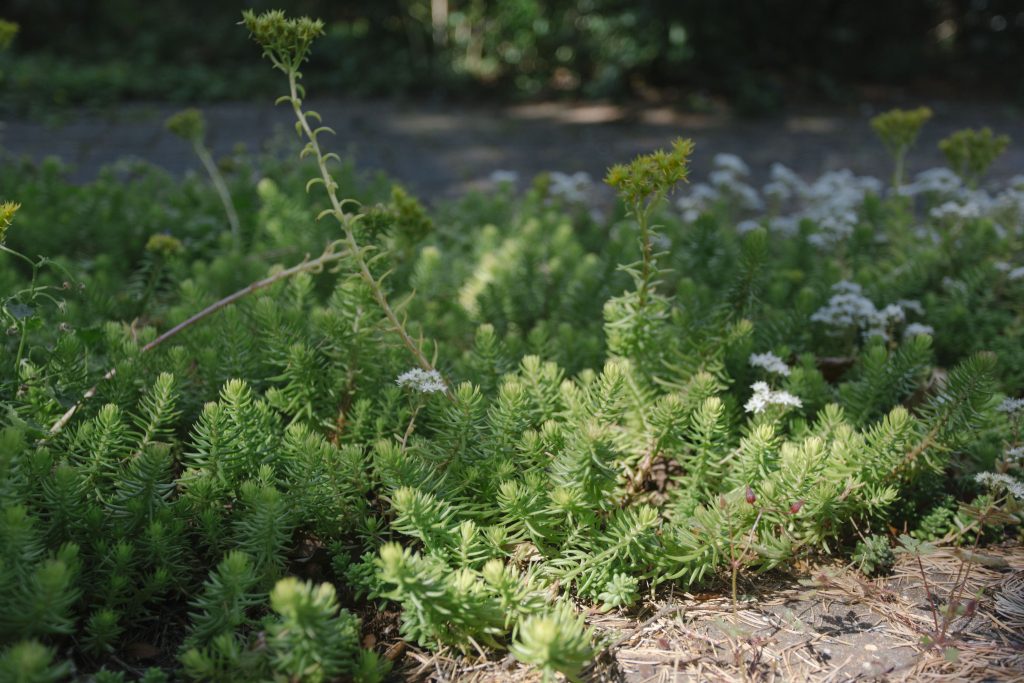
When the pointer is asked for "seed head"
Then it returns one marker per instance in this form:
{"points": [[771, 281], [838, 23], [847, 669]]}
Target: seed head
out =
{"points": [[651, 174], [285, 42], [187, 124], [7, 211]]}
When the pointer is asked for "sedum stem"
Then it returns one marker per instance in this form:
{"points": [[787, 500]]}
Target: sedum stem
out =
{"points": [[222, 190], [345, 220]]}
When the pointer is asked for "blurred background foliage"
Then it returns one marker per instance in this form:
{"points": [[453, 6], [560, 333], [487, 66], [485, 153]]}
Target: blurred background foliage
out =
{"points": [[756, 53]]}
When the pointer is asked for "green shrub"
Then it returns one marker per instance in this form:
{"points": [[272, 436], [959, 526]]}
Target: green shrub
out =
{"points": [[483, 414]]}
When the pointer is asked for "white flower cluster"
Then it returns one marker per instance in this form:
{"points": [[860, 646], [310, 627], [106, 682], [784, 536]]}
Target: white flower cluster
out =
{"points": [[917, 329], [425, 381], [1011, 406], [730, 163], [572, 188], [940, 181], [770, 362], [1012, 272], [995, 480], [726, 182], [699, 199], [1015, 455], [765, 396], [832, 202], [848, 307], [958, 202], [956, 210], [784, 185]]}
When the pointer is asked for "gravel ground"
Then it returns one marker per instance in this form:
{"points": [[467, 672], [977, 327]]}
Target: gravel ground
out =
{"points": [[441, 150], [823, 624]]}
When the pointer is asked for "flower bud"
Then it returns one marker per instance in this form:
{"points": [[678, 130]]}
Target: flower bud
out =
{"points": [[751, 497], [795, 507]]}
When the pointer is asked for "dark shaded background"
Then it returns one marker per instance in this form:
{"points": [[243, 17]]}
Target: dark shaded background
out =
{"points": [[758, 54]]}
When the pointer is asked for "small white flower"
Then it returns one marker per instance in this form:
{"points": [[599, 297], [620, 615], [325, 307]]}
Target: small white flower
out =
{"points": [[848, 307], [917, 329], [765, 396], [784, 175], [1011, 406], [770, 362], [942, 181], [731, 163], [572, 188], [699, 199], [1016, 274], [1005, 482], [956, 210], [722, 179], [777, 191], [746, 196], [912, 305], [425, 381], [1015, 454], [785, 225], [743, 227]]}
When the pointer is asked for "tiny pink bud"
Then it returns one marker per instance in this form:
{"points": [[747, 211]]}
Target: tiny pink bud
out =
{"points": [[750, 496], [795, 507]]}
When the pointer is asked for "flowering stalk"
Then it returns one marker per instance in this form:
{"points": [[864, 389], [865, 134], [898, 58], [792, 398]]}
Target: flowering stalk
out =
{"points": [[347, 222], [898, 130], [12, 307], [643, 184], [190, 126], [286, 44]]}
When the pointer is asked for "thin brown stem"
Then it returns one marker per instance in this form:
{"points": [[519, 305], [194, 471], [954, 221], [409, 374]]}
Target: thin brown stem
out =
{"points": [[928, 592], [316, 264], [961, 585], [410, 427]]}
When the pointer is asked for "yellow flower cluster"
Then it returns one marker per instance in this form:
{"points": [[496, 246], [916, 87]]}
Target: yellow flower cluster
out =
{"points": [[651, 175], [187, 124], [284, 41], [970, 152], [164, 245], [898, 128], [7, 211]]}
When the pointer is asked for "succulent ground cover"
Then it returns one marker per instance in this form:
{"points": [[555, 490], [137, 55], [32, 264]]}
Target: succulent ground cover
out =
{"points": [[270, 423]]}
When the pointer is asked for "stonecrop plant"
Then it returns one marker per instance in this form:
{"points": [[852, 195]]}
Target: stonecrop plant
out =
{"points": [[898, 130], [224, 460]]}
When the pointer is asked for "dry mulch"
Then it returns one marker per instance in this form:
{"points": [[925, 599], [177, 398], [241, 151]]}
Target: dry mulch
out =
{"points": [[824, 624]]}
